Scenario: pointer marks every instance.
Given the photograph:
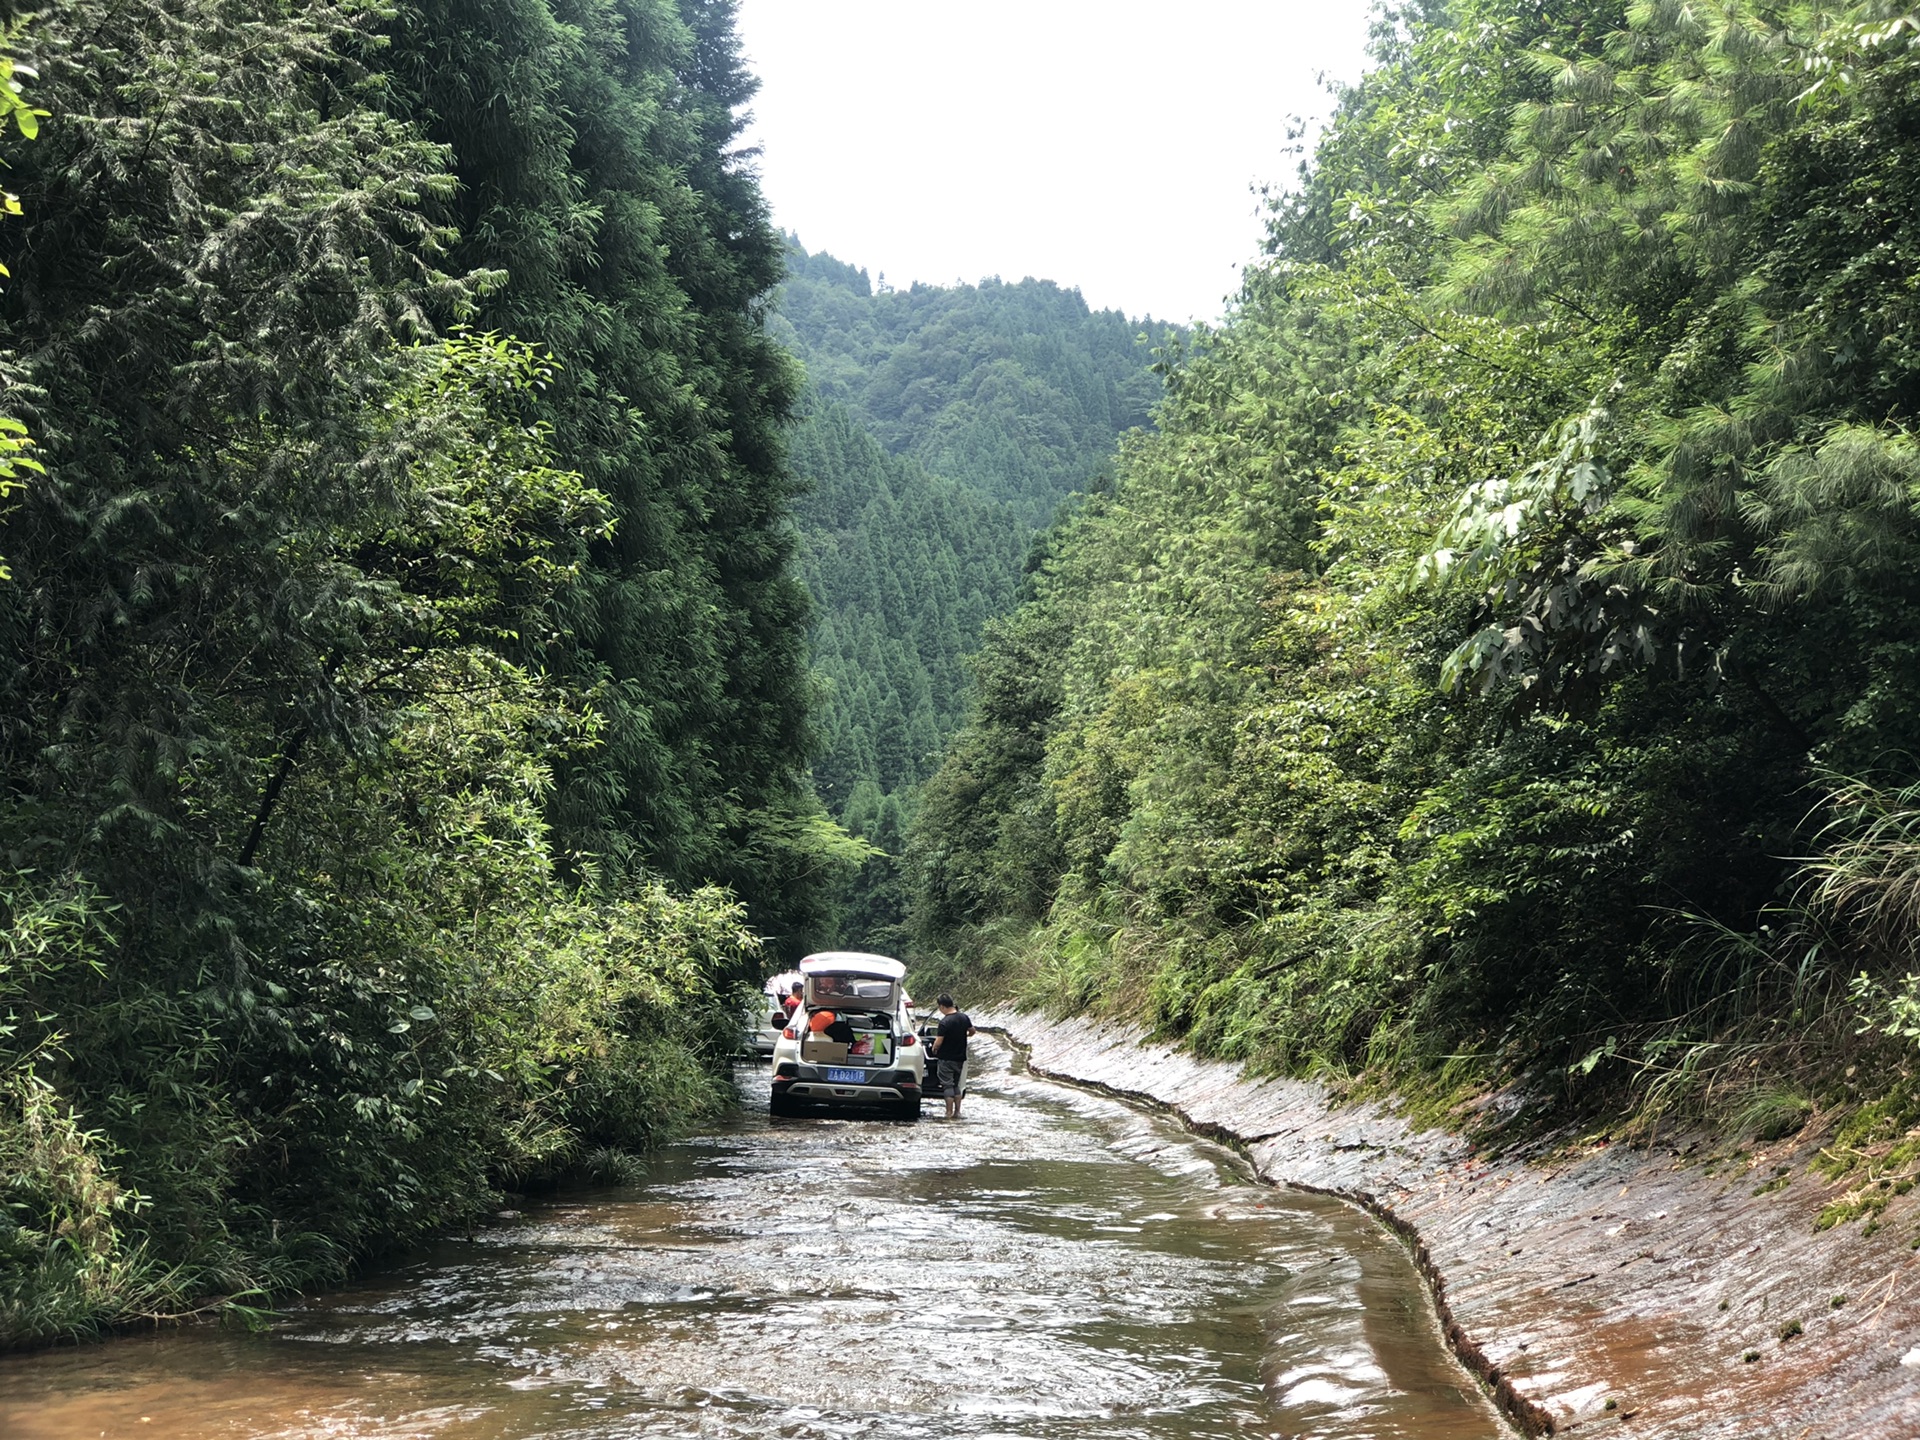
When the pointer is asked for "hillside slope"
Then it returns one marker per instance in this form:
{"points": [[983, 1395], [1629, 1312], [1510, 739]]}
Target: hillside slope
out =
{"points": [[1015, 390], [1498, 670], [943, 427]]}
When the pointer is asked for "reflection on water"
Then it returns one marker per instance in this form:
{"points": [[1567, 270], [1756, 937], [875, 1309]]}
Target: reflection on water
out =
{"points": [[1055, 1265]]}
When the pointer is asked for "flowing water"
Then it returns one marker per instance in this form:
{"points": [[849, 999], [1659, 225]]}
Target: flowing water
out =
{"points": [[1055, 1265]]}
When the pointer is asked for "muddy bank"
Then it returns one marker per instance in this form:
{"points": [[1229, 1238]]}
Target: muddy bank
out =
{"points": [[1650, 1279]]}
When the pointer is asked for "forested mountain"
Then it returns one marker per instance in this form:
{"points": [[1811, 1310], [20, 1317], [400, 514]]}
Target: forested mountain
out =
{"points": [[943, 426], [905, 569], [1524, 574], [1016, 391], [400, 630]]}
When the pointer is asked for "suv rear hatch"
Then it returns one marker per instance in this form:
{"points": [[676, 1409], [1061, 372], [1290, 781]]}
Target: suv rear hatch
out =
{"points": [[872, 1046]]}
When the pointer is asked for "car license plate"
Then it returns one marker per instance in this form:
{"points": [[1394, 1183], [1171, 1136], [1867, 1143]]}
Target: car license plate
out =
{"points": [[847, 1077]]}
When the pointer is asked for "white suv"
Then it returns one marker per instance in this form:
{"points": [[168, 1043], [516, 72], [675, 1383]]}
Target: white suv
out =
{"points": [[865, 1056]]}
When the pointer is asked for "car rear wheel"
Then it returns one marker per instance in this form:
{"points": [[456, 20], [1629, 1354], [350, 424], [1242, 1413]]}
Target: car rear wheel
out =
{"points": [[907, 1110], [782, 1105]]}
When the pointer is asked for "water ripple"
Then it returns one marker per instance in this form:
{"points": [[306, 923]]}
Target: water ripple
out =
{"points": [[1058, 1265]]}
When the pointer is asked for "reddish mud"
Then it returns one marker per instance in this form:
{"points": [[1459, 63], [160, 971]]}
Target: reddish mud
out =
{"points": [[1614, 1289]]}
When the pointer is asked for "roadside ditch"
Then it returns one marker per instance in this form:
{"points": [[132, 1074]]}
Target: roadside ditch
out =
{"points": [[1654, 1291]]}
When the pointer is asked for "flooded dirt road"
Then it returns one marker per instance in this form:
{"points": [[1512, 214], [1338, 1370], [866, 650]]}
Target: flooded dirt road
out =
{"points": [[1055, 1265]]}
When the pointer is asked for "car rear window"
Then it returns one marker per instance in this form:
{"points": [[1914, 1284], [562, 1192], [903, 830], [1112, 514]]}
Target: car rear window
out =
{"points": [[849, 989]]}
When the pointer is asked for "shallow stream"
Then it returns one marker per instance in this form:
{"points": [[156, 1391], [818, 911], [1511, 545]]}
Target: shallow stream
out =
{"points": [[1056, 1264]]}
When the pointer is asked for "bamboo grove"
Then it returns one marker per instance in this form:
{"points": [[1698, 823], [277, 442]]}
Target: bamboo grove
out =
{"points": [[402, 690], [1499, 669]]}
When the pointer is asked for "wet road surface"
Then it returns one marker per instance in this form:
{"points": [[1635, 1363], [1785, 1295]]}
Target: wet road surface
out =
{"points": [[1057, 1264]]}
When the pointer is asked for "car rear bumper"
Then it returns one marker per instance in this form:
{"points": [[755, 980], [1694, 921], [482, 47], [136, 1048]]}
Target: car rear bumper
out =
{"points": [[809, 1087]]}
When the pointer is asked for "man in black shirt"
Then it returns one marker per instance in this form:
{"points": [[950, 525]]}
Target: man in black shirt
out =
{"points": [[950, 1053]]}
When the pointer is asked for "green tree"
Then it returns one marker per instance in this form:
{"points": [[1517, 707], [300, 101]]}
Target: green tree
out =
{"points": [[1502, 581], [301, 665], [593, 145]]}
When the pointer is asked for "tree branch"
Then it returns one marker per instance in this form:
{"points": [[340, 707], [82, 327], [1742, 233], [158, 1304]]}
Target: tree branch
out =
{"points": [[271, 795], [277, 781]]}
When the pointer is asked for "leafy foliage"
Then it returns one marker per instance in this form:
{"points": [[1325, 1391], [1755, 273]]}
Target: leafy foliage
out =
{"points": [[402, 727], [593, 148], [944, 423], [1443, 687]]}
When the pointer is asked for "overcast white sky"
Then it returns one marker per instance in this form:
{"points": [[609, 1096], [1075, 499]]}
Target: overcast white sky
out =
{"points": [[1108, 144]]}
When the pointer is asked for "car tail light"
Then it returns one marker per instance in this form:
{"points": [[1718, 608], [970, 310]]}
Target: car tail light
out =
{"points": [[906, 1040], [791, 1033]]}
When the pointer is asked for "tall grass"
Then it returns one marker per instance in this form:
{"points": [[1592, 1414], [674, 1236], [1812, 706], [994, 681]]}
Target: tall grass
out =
{"points": [[1755, 1030], [1810, 1002], [1868, 876]]}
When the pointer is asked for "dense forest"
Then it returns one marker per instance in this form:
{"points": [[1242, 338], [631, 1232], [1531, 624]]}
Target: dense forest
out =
{"points": [[942, 427], [1499, 668], [474, 596], [403, 705], [1017, 390]]}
